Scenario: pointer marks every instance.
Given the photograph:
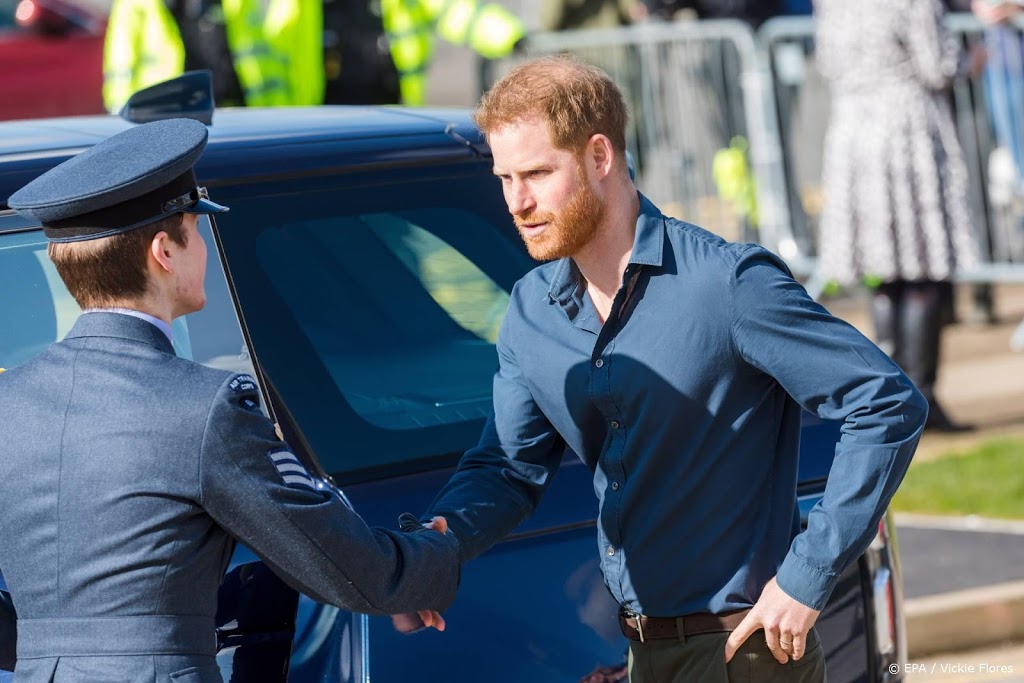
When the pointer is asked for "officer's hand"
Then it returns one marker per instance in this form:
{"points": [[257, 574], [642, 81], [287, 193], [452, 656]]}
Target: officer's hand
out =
{"points": [[785, 621]]}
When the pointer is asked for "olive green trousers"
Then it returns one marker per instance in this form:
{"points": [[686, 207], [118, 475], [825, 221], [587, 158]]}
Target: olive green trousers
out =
{"points": [[701, 659]]}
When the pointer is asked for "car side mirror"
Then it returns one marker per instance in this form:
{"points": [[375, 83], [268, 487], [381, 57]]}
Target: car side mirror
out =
{"points": [[37, 16], [189, 95]]}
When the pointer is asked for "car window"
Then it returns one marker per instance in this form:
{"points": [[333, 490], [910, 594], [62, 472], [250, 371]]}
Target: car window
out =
{"points": [[374, 311], [403, 322], [37, 309]]}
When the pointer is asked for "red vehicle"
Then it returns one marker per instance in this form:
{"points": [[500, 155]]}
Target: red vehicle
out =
{"points": [[51, 58]]}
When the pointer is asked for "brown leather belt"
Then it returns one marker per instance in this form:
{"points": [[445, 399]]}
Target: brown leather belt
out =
{"points": [[641, 628]]}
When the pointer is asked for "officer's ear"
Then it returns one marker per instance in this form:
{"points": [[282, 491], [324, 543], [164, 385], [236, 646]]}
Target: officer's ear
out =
{"points": [[161, 252], [166, 244]]}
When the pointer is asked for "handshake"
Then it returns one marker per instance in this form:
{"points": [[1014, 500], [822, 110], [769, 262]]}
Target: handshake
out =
{"points": [[412, 622]]}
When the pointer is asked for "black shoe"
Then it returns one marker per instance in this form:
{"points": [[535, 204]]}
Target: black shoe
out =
{"points": [[938, 421]]}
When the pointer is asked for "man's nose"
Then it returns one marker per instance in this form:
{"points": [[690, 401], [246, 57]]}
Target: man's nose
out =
{"points": [[519, 198]]}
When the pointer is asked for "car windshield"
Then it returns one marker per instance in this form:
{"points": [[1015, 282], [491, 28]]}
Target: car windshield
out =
{"points": [[374, 311]]}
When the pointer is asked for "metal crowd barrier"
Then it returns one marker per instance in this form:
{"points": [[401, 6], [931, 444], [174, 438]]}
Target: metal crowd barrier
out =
{"points": [[693, 87]]}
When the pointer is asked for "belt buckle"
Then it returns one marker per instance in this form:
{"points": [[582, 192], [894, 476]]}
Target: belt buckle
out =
{"points": [[639, 624]]}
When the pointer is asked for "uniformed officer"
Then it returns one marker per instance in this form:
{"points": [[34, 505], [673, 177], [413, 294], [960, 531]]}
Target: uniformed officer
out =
{"points": [[127, 473]]}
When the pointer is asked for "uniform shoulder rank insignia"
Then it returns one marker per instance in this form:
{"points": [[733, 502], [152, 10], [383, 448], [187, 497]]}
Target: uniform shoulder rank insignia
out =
{"points": [[291, 470]]}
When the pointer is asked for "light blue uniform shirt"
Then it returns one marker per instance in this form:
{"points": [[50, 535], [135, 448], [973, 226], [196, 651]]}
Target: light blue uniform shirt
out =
{"points": [[685, 404]]}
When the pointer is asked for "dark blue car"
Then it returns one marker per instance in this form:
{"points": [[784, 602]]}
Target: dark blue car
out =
{"points": [[362, 273]]}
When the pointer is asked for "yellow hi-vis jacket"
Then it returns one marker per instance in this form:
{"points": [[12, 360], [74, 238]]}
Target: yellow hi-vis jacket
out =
{"points": [[489, 29], [295, 33], [144, 46]]}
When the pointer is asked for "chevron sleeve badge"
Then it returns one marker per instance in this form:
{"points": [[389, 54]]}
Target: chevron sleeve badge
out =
{"points": [[291, 470]]}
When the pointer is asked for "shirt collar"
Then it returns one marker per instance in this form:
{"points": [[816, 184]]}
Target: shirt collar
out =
{"points": [[650, 234], [153, 320], [647, 250]]}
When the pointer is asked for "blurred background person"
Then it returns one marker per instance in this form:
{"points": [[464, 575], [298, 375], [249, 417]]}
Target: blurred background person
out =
{"points": [[149, 41], [394, 39], [895, 184], [754, 12], [1004, 83], [567, 15], [296, 52]]}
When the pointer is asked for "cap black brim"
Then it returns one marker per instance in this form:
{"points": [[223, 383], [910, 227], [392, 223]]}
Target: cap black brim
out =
{"points": [[204, 205]]}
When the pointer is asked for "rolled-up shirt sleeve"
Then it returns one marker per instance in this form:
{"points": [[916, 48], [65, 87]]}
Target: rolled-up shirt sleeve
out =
{"points": [[833, 371]]}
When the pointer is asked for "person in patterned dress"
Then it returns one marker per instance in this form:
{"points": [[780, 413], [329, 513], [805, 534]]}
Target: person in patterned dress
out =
{"points": [[894, 180]]}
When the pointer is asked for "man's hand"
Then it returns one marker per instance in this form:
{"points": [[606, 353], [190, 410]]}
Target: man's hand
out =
{"points": [[785, 621], [424, 618], [412, 622], [438, 524]]}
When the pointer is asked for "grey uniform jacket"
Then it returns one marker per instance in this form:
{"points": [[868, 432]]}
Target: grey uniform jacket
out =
{"points": [[126, 474]]}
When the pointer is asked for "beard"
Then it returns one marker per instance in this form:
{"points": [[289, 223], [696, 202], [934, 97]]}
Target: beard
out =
{"points": [[569, 230]]}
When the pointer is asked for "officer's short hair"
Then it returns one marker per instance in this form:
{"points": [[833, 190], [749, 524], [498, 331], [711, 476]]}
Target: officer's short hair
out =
{"points": [[102, 272], [578, 101]]}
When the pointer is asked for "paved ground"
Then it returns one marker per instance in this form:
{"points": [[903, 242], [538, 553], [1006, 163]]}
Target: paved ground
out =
{"points": [[943, 559]]}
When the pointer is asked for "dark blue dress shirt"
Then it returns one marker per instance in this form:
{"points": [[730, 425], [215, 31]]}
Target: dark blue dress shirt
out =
{"points": [[685, 404]]}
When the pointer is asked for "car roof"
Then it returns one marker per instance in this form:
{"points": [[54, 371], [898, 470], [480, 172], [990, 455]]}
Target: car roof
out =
{"points": [[255, 143]]}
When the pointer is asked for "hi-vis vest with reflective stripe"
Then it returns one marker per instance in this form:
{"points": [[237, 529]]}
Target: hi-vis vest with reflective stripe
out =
{"points": [[489, 29], [143, 47]]}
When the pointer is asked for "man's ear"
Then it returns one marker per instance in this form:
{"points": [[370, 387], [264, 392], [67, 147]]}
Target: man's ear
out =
{"points": [[600, 155], [160, 252]]}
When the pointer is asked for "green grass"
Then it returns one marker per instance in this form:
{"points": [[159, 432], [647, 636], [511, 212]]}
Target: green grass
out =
{"points": [[987, 480]]}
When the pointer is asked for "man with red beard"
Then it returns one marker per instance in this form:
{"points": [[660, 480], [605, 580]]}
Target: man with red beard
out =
{"points": [[675, 365]]}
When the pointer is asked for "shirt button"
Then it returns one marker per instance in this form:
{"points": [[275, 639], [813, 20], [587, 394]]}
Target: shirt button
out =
{"points": [[615, 424], [615, 486], [599, 363], [611, 551]]}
